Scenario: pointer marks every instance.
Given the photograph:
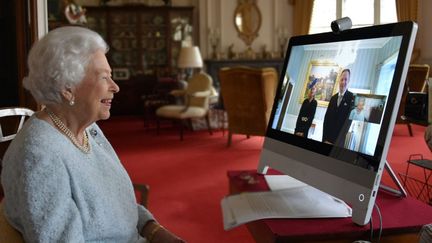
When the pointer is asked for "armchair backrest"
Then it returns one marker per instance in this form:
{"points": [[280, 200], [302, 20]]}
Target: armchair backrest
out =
{"points": [[11, 121], [20, 114], [248, 95], [416, 81], [199, 83], [417, 76]]}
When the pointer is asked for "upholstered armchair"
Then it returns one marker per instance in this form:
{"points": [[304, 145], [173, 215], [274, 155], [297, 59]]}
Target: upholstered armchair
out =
{"points": [[12, 120], [196, 102], [248, 95], [414, 97]]}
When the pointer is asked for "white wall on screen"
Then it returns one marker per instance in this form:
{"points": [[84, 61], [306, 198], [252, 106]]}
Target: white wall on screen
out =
{"points": [[364, 70]]}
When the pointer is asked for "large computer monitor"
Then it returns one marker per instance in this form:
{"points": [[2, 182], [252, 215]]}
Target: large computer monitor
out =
{"points": [[339, 145]]}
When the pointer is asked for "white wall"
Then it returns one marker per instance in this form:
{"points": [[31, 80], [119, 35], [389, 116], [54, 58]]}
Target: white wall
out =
{"points": [[42, 18], [275, 14], [220, 14]]}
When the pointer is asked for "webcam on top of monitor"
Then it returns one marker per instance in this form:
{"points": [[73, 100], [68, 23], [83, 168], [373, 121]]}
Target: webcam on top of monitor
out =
{"points": [[340, 25]]}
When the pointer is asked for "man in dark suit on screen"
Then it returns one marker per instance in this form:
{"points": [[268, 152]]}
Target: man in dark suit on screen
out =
{"points": [[336, 123]]}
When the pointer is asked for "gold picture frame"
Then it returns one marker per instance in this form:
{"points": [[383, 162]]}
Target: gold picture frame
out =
{"points": [[327, 73], [120, 74]]}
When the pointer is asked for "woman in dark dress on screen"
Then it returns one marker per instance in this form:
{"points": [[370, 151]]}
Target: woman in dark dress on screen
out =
{"points": [[307, 112]]}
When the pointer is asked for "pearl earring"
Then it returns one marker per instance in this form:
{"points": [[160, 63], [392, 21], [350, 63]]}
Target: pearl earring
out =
{"points": [[71, 102]]}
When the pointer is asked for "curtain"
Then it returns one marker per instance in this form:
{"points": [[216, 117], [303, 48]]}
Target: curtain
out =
{"points": [[407, 10], [302, 16]]}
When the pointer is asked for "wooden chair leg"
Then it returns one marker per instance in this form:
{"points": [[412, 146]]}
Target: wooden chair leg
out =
{"points": [[221, 119], [229, 138], [143, 190], [247, 136], [190, 124], [208, 124], [410, 129]]}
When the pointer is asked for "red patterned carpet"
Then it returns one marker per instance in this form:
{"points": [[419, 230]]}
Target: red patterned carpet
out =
{"points": [[188, 178]]}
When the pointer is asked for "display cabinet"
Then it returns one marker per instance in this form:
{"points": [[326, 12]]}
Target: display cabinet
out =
{"points": [[144, 45], [144, 40]]}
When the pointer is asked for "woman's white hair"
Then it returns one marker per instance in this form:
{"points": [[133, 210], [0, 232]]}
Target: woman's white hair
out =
{"points": [[59, 61]]}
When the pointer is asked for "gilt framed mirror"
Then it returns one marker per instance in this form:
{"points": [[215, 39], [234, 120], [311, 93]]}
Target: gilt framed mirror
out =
{"points": [[247, 20]]}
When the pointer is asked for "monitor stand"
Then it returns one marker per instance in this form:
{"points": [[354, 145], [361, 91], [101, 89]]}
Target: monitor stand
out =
{"points": [[401, 192]]}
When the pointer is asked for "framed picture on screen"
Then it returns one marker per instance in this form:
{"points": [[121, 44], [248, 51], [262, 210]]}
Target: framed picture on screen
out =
{"points": [[326, 73]]}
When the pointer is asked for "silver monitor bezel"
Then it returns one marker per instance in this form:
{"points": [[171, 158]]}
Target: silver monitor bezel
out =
{"points": [[353, 184]]}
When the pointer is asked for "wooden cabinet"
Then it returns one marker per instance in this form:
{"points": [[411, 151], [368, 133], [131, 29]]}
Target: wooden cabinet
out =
{"points": [[144, 45], [128, 101], [145, 40]]}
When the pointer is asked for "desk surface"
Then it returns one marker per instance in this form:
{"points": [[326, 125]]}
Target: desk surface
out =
{"points": [[402, 217]]}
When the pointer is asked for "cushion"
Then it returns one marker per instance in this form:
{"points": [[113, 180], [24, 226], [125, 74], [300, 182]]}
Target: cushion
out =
{"points": [[176, 112]]}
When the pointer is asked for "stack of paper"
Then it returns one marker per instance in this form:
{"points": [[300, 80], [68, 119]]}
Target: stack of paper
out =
{"points": [[297, 200]]}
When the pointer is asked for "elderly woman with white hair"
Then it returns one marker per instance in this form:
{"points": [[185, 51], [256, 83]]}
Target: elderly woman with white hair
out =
{"points": [[63, 182]]}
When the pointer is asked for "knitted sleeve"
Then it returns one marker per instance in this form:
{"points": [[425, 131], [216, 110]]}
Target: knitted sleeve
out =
{"points": [[40, 205], [144, 215]]}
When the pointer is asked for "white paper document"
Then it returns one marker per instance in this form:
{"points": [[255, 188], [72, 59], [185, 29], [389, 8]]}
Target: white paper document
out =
{"points": [[282, 182], [297, 202]]}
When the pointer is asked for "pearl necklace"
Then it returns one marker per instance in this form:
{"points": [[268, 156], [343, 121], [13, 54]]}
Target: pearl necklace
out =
{"points": [[85, 147]]}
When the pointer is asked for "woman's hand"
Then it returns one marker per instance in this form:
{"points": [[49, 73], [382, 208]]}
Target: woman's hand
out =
{"points": [[165, 236], [155, 233]]}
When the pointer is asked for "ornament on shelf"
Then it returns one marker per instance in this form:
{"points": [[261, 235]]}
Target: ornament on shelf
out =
{"points": [[283, 39], [214, 37], [230, 53], [74, 13]]}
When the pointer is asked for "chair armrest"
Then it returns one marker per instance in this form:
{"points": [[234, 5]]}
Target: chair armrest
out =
{"points": [[178, 92], [143, 190], [200, 94], [8, 233]]}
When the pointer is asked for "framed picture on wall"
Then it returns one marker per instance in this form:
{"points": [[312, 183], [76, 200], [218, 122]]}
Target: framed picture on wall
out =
{"points": [[326, 74], [120, 74]]}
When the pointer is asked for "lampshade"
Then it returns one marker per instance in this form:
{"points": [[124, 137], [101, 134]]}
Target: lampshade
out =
{"points": [[190, 57]]}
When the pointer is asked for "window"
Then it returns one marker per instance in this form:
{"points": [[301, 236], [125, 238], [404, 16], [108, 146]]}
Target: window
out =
{"points": [[362, 13]]}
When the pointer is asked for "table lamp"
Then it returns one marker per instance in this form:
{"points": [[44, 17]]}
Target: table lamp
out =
{"points": [[189, 58]]}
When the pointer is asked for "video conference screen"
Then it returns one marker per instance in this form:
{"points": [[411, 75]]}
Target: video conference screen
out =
{"points": [[336, 93]]}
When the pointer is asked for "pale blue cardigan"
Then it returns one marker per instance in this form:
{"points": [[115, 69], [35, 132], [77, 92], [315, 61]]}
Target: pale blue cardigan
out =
{"points": [[56, 193]]}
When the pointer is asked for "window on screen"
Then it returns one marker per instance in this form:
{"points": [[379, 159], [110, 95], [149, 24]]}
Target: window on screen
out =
{"points": [[362, 13]]}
